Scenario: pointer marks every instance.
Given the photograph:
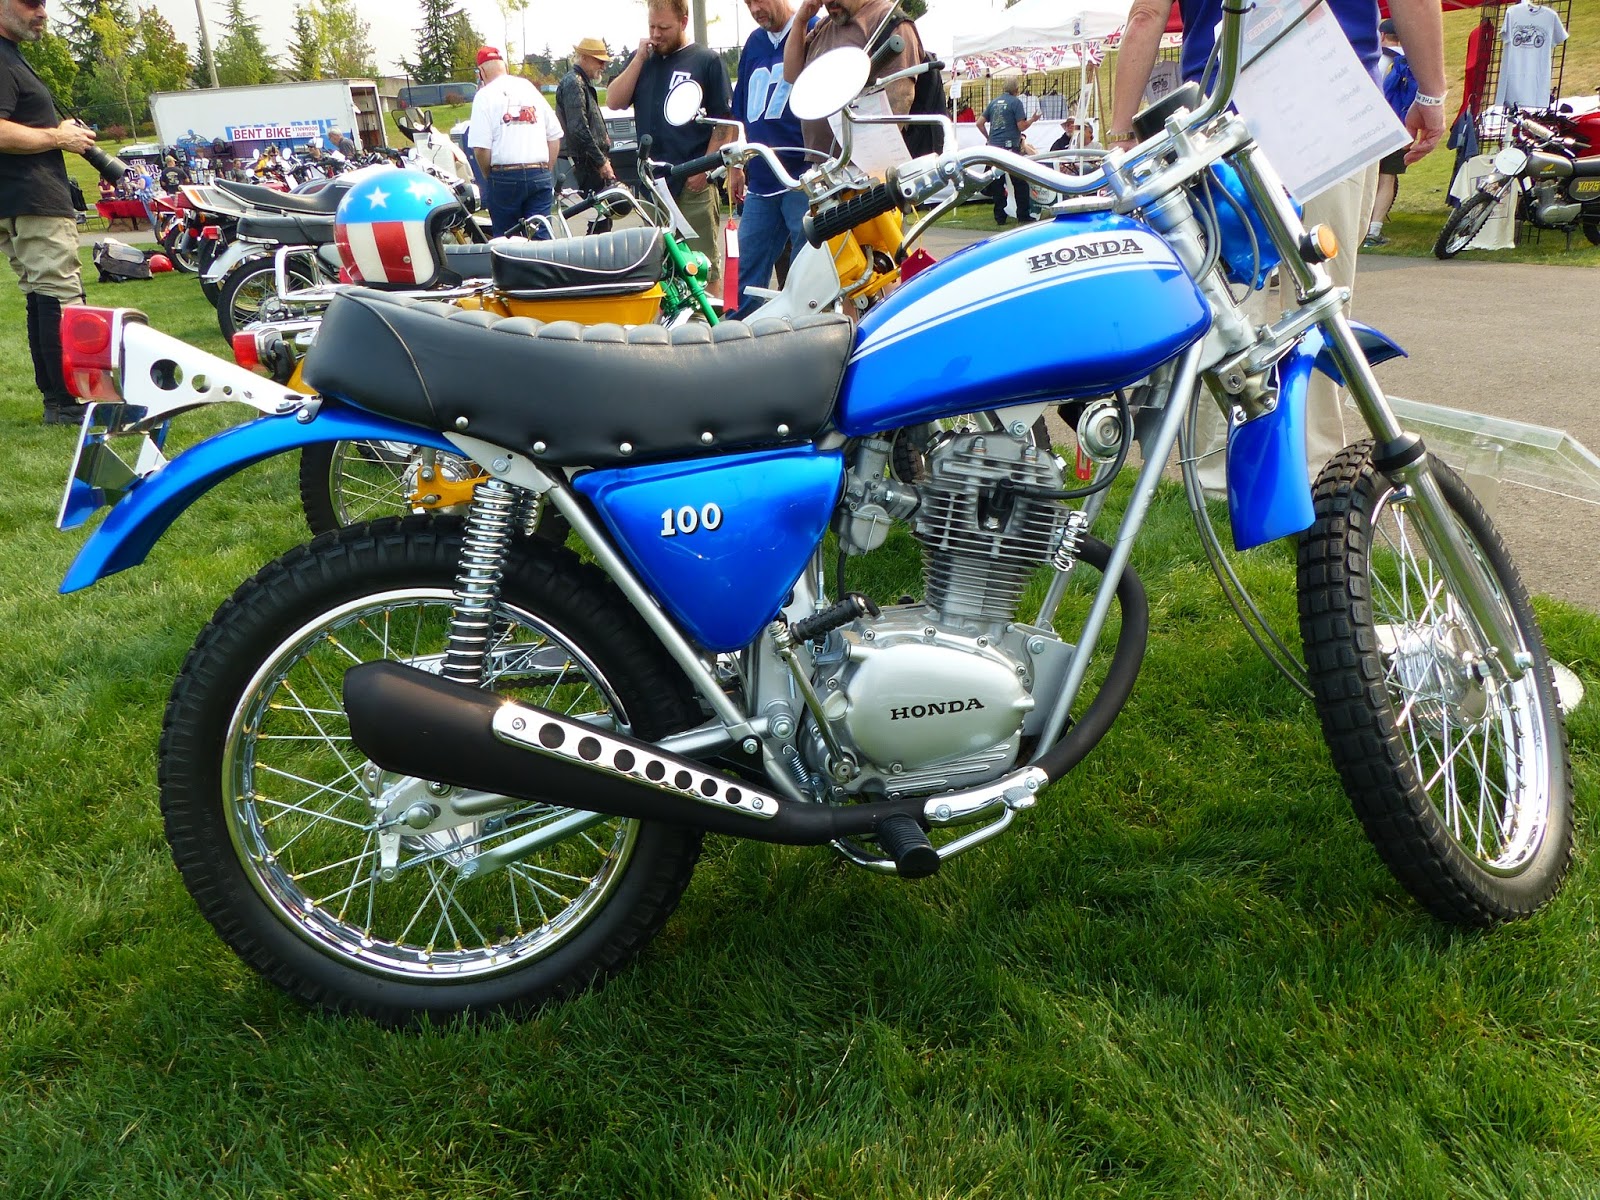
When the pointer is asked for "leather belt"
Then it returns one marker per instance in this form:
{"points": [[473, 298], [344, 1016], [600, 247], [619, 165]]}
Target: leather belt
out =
{"points": [[520, 166]]}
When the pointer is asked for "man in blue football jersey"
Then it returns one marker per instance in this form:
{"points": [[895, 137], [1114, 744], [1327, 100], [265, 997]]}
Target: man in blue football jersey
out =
{"points": [[772, 214]]}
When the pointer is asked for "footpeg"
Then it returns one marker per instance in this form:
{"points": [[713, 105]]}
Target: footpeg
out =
{"points": [[903, 840], [821, 624]]}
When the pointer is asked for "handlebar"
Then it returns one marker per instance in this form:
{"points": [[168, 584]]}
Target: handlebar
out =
{"points": [[830, 223], [708, 162], [893, 46]]}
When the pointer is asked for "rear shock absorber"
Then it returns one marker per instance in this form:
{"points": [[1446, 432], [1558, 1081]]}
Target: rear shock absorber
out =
{"points": [[491, 522]]}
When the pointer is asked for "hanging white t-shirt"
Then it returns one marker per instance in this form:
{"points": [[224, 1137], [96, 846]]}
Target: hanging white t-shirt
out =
{"points": [[1163, 80], [1531, 34], [514, 122]]}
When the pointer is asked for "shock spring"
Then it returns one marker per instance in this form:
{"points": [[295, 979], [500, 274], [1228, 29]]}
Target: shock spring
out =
{"points": [[491, 522]]}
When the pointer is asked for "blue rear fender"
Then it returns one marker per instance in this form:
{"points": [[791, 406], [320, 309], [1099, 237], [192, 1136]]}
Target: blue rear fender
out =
{"points": [[1269, 486], [131, 528]]}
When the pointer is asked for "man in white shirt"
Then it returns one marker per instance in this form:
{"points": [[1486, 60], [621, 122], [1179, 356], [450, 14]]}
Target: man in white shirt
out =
{"points": [[515, 136]]}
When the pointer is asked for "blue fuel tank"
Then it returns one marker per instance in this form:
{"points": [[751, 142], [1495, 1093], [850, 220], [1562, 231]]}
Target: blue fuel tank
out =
{"points": [[1074, 306]]}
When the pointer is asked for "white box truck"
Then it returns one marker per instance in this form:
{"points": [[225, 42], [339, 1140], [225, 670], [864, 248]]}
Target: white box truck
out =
{"points": [[289, 114]]}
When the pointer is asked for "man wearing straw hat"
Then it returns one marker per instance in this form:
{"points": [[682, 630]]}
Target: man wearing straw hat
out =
{"points": [[578, 107]]}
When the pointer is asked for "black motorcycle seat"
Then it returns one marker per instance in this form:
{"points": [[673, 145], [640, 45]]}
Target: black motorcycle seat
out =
{"points": [[577, 395], [616, 263], [469, 262], [323, 200], [287, 228], [1585, 168]]}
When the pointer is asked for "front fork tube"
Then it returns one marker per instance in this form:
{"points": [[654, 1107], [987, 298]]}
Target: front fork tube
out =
{"points": [[1440, 533]]}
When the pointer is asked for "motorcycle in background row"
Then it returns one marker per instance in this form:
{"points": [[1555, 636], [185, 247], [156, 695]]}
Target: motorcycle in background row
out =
{"points": [[1553, 164]]}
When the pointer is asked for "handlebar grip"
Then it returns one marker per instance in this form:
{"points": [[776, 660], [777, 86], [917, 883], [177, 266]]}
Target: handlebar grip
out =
{"points": [[582, 206], [694, 166], [1543, 132], [893, 46], [841, 218]]}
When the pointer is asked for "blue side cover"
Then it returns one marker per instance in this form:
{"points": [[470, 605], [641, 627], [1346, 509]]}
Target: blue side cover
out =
{"points": [[124, 538], [1269, 487], [720, 542]]}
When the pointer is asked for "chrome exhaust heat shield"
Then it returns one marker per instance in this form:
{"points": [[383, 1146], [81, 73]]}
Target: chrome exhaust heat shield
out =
{"points": [[417, 724]]}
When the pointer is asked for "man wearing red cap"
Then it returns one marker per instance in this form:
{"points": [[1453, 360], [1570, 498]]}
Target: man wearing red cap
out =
{"points": [[515, 136]]}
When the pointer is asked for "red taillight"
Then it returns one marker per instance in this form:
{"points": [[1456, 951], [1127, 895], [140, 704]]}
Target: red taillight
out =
{"points": [[245, 351], [88, 354], [211, 232]]}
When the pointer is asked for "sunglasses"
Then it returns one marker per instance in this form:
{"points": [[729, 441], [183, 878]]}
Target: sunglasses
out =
{"points": [[32, 3]]}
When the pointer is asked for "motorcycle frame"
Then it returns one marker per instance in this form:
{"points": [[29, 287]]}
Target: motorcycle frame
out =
{"points": [[1152, 181]]}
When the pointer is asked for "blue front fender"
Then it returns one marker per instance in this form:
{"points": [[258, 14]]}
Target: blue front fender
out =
{"points": [[151, 505], [1269, 487]]}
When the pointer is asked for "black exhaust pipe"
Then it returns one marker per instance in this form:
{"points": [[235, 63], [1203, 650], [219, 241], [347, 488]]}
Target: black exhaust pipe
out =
{"points": [[418, 724]]}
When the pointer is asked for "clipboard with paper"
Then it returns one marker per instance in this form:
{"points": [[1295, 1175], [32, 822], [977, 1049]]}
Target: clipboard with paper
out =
{"points": [[1308, 100], [874, 149]]}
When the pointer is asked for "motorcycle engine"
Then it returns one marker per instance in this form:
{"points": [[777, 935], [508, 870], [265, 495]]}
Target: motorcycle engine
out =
{"points": [[1551, 208], [938, 695]]}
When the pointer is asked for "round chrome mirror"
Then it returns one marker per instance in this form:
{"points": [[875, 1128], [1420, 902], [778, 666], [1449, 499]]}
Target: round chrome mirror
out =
{"points": [[829, 83], [683, 103]]}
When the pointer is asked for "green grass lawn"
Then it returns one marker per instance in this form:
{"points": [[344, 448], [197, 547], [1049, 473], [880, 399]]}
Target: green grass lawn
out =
{"points": [[1185, 974]]}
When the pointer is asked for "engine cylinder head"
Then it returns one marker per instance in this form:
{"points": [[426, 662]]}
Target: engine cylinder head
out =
{"points": [[980, 554]]}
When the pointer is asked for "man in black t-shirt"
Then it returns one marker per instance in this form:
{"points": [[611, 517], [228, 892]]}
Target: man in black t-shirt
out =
{"points": [[38, 232], [665, 59]]}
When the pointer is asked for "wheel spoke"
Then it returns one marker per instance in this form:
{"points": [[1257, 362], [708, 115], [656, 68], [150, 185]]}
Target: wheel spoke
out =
{"points": [[315, 844]]}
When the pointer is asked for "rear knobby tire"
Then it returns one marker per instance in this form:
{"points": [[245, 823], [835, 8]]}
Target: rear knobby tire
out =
{"points": [[271, 811], [1462, 225], [1462, 782]]}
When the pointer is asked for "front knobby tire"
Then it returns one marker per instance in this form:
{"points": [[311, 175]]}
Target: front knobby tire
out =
{"points": [[1461, 779], [1462, 225], [272, 813]]}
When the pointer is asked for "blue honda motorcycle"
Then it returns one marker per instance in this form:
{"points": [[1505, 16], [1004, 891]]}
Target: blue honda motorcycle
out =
{"points": [[437, 765]]}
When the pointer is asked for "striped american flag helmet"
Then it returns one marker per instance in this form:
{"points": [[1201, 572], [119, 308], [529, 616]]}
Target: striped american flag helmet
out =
{"points": [[389, 224]]}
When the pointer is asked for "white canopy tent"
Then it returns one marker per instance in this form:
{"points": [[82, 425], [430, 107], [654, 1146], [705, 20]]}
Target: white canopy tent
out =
{"points": [[1065, 26], [1033, 23]]}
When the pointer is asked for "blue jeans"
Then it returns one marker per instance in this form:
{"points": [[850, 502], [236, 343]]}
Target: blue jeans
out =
{"points": [[768, 222], [514, 195]]}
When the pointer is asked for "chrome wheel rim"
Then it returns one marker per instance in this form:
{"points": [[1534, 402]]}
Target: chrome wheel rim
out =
{"points": [[250, 295], [303, 811], [1468, 229], [368, 480], [1476, 741]]}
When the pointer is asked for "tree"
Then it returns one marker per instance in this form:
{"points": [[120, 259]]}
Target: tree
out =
{"points": [[161, 63], [242, 56], [508, 9], [346, 40], [51, 59], [464, 43], [435, 44], [110, 83], [74, 24], [306, 54]]}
